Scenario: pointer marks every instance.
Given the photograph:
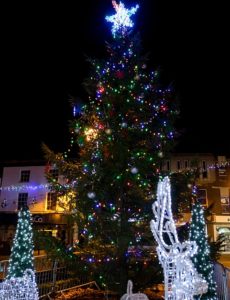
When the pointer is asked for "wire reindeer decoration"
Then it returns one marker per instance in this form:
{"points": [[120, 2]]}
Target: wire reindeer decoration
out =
{"points": [[181, 279]]}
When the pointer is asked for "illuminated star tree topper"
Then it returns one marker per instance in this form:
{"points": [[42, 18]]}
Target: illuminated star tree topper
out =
{"points": [[121, 20]]}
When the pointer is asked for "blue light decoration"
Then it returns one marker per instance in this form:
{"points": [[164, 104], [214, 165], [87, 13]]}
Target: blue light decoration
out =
{"points": [[77, 106], [121, 20]]}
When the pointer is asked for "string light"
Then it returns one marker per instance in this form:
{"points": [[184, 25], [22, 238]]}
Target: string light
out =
{"points": [[201, 259], [20, 281], [121, 20], [180, 277], [20, 288], [22, 250], [24, 187], [126, 123], [91, 134]]}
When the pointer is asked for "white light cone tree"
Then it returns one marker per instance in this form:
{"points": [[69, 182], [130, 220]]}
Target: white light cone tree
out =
{"points": [[20, 281]]}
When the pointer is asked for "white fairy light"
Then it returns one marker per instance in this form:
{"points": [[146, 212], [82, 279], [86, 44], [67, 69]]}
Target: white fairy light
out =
{"points": [[121, 20], [20, 288], [24, 187], [180, 277], [134, 170], [91, 195]]}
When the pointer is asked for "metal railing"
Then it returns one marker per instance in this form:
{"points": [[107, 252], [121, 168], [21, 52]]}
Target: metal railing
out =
{"points": [[53, 276], [50, 275], [63, 291]]}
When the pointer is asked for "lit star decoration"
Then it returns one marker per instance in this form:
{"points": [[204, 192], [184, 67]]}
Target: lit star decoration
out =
{"points": [[121, 20]]}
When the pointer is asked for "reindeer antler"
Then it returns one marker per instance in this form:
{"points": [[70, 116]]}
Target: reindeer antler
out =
{"points": [[163, 225]]}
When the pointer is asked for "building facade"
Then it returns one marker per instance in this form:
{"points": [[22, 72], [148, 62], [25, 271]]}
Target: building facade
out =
{"points": [[25, 184], [213, 183]]}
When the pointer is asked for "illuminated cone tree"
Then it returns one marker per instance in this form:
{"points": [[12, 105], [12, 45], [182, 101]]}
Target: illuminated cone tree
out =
{"points": [[201, 259], [122, 133], [21, 257]]}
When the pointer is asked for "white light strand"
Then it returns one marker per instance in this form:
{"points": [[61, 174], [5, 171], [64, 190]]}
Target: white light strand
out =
{"points": [[24, 187], [28, 187], [220, 165], [180, 277], [121, 20], [20, 288]]}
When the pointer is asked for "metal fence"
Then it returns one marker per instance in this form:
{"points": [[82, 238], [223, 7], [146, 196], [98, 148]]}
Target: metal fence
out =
{"points": [[56, 276], [50, 275], [41, 263], [222, 278]]}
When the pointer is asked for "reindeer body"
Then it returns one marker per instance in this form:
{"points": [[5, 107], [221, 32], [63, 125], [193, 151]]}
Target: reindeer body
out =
{"points": [[20, 288], [181, 279]]}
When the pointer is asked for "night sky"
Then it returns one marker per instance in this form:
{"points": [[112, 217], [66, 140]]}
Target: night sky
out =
{"points": [[43, 64]]}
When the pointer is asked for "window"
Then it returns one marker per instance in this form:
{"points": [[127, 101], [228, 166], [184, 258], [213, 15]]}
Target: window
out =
{"points": [[25, 176], [204, 169], [225, 231], [178, 165], [51, 201], [222, 173], [202, 197], [225, 204], [186, 165], [160, 165], [22, 200], [168, 166], [50, 232]]}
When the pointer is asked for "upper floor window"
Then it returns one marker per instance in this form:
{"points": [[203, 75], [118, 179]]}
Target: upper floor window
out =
{"points": [[22, 200], [186, 164], [168, 165], [204, 169], [202, 197], [25, 176], [51, 201], [225, 204], [178, 165], [160, 165]]}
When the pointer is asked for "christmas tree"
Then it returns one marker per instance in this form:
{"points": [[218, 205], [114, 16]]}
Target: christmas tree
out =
{"points": [[123, 133], [21, 257], [201, 260]]}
